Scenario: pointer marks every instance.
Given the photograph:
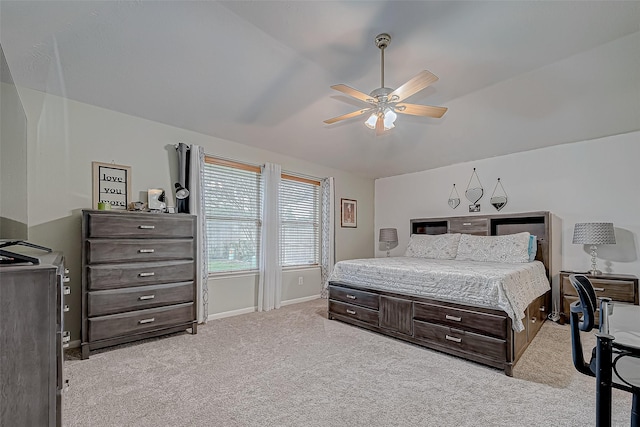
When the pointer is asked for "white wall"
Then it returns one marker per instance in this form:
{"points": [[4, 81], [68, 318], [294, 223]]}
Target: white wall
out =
{"points": [[587, 181], [66, 136]]}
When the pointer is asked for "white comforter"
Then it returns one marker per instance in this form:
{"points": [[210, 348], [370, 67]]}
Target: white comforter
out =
{"points": [[509, 287]]}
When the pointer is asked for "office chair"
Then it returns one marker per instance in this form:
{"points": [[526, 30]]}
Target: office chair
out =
{"points": [[622, 364]]}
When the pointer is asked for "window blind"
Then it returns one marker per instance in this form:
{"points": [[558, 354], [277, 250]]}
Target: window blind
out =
{"points": [[300, 221], [233, 200]]}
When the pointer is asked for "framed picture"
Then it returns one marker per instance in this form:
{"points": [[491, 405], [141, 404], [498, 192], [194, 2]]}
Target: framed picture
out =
{"points": [[348, 213], [111, 184]]}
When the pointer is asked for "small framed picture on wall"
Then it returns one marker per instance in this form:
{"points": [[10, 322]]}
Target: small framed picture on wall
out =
{"points": [[348, 213]]}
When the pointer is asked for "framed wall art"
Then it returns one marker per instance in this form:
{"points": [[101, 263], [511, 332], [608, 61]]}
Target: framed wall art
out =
{"points": [[348, 213], [111, 185]]}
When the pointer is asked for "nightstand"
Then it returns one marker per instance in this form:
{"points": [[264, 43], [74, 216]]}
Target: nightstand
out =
{"points": [[618, 287]]}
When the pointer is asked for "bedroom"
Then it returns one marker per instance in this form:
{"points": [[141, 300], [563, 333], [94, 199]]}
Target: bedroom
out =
{"points": [[589, 177]]}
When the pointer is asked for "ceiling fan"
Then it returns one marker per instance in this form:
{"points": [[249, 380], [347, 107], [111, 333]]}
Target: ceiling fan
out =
{"points": [[385, 102]]}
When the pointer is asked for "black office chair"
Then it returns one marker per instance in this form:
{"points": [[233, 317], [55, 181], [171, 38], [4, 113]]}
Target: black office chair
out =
{"points": [[621, 363]]}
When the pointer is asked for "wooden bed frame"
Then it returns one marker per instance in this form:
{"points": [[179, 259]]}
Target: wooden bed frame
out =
{"points": [[475, 333]]}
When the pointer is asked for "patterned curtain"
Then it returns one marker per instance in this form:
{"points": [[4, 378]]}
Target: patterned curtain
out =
{"points": [[270, 283], [196, 207], [328, 231]]}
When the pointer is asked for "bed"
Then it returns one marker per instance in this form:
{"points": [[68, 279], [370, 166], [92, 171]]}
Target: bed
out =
{"points": [[484, 310]]}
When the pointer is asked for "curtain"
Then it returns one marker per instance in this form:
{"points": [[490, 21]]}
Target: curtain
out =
{"points": [[196, 207], [184, 177], [328, 231], [270, 283]]}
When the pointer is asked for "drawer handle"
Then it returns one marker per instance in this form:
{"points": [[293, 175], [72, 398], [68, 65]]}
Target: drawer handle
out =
{"points": [[66, 279], [351, 311], [146, 251], [66, 290], [351, 296], [454, 339], [598, 289], [147, 274], [543, 309], [143, 321], [454, 318], [147, 227], [533, 320], [66, 336], [66, 308], [466, 223], [65, 345], [146, 297]]}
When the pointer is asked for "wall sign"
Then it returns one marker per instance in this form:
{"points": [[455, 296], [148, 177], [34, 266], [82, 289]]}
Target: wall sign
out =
{"points": [[111, 184]]}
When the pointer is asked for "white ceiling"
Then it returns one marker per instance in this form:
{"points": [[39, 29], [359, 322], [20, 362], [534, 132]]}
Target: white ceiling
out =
{"points": [[515, 75]]}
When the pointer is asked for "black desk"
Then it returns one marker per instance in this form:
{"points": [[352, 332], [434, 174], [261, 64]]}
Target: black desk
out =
{"points": [[617, 357]]}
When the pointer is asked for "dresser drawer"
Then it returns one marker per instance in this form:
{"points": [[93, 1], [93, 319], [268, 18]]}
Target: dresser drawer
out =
{"points": [[351, 296], [139, 225], [133, 250], [355, 312], [619, 290], [478, 226], [468, 320], [140, 297], [461, 340], [116, 325], [111, 276]]}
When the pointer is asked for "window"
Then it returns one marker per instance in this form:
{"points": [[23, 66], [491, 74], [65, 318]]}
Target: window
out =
{"points": [[233, 201], [300, 221]]}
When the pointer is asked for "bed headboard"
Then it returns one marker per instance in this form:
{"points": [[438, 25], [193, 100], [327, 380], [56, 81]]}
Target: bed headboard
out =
{"points": [[541, 224]]}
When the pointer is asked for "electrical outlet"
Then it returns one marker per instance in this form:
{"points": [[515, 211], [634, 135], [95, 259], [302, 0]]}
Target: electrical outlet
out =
{"points": [[300, 280]]}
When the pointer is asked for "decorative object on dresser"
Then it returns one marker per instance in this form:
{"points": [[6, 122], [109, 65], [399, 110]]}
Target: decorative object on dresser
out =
{"points": [[618, 287], [479, 333], [32, 338], [138, 276], [389, 238], [111, 184], [594, 233]]}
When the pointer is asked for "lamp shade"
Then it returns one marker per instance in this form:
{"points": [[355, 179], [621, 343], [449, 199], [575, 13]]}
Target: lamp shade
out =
{"points": [[181, 192], [389, 235], [594, 233]]}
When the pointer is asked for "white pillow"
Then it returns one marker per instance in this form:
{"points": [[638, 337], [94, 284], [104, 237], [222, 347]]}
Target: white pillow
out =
{"points": [[510, 248], [437, 246]]}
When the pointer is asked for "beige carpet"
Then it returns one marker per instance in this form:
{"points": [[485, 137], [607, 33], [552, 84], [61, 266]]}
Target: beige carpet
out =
{"points": [[293, 367]]}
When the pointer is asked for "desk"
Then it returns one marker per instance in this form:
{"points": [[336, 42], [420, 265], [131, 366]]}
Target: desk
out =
{"points": [[617, 358]]}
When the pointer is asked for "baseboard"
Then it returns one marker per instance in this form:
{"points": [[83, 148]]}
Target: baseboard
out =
{"points": [[74, 344], [254, 309]]}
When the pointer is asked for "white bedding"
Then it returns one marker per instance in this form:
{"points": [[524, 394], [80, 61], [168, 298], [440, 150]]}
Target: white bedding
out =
{"points": [[508, 287]]}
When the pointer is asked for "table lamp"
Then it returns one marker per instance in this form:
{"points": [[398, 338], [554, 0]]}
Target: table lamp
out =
{"points": [[594, 233], [389, 236]]}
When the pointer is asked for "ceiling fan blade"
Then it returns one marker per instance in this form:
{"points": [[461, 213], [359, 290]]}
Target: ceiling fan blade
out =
{"points": [[421, 110], [380, 125], [348, 116], [415, 85], [353, 92]]}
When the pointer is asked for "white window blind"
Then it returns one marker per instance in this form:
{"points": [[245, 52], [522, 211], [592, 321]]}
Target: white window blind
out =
{"points": [[300, 221], [233, 200]]}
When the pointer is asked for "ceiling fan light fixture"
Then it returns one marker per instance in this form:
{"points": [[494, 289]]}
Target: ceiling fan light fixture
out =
{"points": [[389, 118], [371, 121]]}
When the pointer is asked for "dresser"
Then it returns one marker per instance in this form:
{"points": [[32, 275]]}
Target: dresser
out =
{"points": [[138, 276], [32, 338], [618, 287]]}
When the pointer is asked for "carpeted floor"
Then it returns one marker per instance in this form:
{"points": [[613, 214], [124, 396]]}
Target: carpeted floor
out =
{"points": [[293, 367]]}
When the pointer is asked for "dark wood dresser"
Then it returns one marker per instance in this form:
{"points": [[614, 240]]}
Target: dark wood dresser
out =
{"points": [[31, 342], [138, 276]]}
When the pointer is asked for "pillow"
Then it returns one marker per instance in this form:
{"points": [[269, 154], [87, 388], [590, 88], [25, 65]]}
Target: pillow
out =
{"points": [[533, 247], [437, 246], [509, 248]]}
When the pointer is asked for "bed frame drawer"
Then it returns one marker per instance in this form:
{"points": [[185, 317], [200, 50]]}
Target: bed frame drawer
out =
{"points": [[467, 342], [352, 296], [458, 318], [352, 311]]}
